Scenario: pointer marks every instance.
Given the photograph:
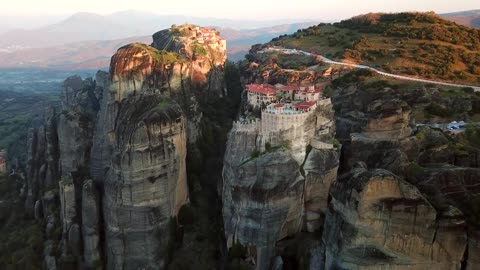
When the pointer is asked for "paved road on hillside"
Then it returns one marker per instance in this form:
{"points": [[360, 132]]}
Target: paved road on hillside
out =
{"points": [[400, 77]]}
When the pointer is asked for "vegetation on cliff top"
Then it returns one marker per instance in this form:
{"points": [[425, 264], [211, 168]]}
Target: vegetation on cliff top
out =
{"points": [[429, 103], [161, 56], [416, 44]]}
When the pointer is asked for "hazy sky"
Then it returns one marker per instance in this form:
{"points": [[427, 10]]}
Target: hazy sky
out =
{"points": [[247, 9]]}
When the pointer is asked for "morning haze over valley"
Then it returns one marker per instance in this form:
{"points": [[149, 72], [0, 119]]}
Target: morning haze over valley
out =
{"points": [[249, 135]]}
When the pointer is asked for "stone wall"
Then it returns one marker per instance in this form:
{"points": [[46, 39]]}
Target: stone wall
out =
{"points": [[272, 122]]}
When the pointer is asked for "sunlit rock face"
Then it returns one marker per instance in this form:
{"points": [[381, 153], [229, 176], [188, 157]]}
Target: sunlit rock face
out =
{"points": [[137, 67]]}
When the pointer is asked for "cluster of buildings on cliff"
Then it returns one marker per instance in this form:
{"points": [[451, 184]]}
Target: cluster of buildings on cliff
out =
{"points": [[207, 36], [284, 106]]}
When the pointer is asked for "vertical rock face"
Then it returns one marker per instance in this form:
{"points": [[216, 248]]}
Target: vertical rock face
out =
{"points": [[116, 152], [35, 167], [139, 154], [139, 148], [68, 212], [91, 225], [101, 152], [136, 67], [42, 159], [378, 221], [203, 47], [272, 180], [378, 135], [320, 168], [473, 261], [147, 182], [277, 184], [75, 128], [76, 125]]}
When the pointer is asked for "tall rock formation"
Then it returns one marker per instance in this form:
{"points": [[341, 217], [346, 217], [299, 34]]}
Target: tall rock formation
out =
{"points": [[42, 159], [205, 49], [146, 184], [375, 125], [117, 152], [91, 225], [275, 184]]}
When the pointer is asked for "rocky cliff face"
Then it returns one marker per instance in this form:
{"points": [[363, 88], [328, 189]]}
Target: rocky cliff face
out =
{"points": [[59, 158], [136, 67], [378, 221], [146, 184], [107, 173], [275, 185], [42, 160], [204, 49], [376, 129], [116, 152], [404, 199]]}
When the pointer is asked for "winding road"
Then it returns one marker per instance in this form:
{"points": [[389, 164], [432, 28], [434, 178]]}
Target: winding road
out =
{"points": [[400, 77]]}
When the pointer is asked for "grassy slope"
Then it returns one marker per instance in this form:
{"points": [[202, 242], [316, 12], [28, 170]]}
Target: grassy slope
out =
{"points": [[416, 44]]}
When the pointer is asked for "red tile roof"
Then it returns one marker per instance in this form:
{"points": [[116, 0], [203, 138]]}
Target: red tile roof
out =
{"points": [[206, 31], [304, 105], [279, 105], [290, 88], [261, 88]]}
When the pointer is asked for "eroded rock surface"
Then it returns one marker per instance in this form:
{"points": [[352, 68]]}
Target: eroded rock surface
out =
{"points": [[116, 151], [276, 184], [378, 221], [91, 225], [147, 182]]}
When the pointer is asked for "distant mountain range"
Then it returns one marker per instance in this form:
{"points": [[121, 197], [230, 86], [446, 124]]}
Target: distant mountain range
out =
{"points": [[78, 55], [89, 26], [468, 18], [87, 40], [240, 41], [431, 46]]}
